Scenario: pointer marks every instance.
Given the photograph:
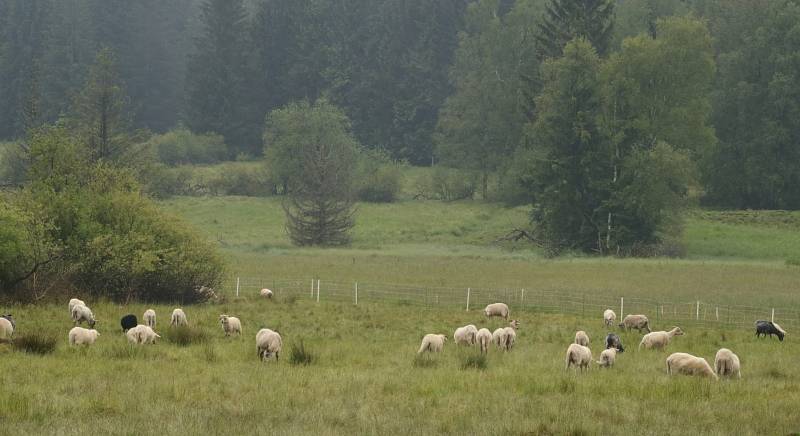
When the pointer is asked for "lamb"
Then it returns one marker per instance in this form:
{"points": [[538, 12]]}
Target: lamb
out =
{"points": [[581, 338], [683, 363], [769, 328], [484, 338], [128, 322], [727, 364], [609, 317], [178, 318], [496, 309], [579, 356], [81, 313], [82, 336], [637, 322], [142, 334], [230, 324], [607, 358], [433, 343], [75, 302], [6, 330], [266, 293], [613, 341], [150, 318], [659, 340], [465, 335], [10, 319], [268, 342]]}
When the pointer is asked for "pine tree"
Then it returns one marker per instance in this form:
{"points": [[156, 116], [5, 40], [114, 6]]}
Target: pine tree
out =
{"points": [[565, 20]]}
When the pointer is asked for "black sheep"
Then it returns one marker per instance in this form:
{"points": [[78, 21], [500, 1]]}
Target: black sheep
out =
{"points": [[128, 322], [613, 341], [769, 328]]}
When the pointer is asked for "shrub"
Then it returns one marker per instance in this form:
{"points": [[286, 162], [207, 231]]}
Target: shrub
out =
{"points": [[185, 335], [378, 178], [181, 146], [35, 343], [298, 355], [242, 180], [13, 165], [447, 184], [474, 361], [164, 181]]}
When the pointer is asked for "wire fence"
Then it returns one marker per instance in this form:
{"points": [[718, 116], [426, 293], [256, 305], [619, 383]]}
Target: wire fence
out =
{"points": [[527, 299]]}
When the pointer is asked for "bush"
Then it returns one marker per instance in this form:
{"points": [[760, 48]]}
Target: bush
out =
{"points": [[474, 361], [35, 343], [378, 178], [164, 182], [185, 335], [181, 146], [13, 165], [241, 180], [447, 184], [298, 355]]}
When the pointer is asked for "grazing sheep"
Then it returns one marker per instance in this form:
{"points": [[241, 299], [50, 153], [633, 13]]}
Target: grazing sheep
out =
{"points": [[581, 338], [609, 317], [579, 356], [128, 322], [266, 293], [504, 337], [81, 313], [511, 337], [499, 337], [6, 329], [230, 324], [82, 336], [142, 334], [683, 363], [433, 343], [75, 302], [769, 328], [727, 364], [268, 342], [465, 335], [613, 341], [607, 358], [10, 319], [484, 338], [496, 309], [659, 340], [150, 318], [178, 318], [637, 322]]}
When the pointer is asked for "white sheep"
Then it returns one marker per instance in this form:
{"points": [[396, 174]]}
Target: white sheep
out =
{"points": [[727, 364], [178, 318], [484, 338], [607, 357], [511, 337], [433, 343], [150, 318], [499, 337], [6, 329], [268, 342], [465, 335], [75, 302], [81, 313], [637, 322], [683, 363], [609, 317], [497, 309], [82, 336], [266, 293], [581, 338], [230, 324], [142, 334], [579, 356], [659, 340]]}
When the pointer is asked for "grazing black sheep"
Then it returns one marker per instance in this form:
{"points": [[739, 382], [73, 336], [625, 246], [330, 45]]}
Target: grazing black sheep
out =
{"points": [[613, 341], [769, 328], [10, 319], [128, 322]]}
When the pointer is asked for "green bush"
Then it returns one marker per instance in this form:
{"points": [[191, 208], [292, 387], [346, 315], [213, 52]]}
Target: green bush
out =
{"points": [[165, 182], [13, 165], [378, 178], [181, 146], [447, 184], [241, 180]]}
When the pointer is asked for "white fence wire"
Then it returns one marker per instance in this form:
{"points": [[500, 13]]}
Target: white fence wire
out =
{"points": [[528, 299]]}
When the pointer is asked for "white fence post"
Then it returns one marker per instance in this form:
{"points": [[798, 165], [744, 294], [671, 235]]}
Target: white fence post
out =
{"points": [[356, 293], [237, 287], [522, 298], [317, 290], [697, 315], [312, 288], [773, 315], [717, 311], [468, 290], [622, 307]]}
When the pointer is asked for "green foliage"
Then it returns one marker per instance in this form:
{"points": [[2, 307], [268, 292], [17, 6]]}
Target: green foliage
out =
{"points": [[474, 361], [13, 163], [378, 178], [565, 20], [185, 335], [180, 146], [299, 355], [25, 243], [35, 343]]}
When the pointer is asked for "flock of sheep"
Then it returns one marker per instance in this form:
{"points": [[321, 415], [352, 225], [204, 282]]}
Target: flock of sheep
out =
{"points": [[726, 363]]}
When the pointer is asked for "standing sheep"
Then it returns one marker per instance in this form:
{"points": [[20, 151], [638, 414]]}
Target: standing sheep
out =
{"points": [[499, 337], [607, 358], [128, 322], [581, 338], [149, 318], [230, 324], [484, 338], [6, 329], [659, 340], [268, 342], [142, 334], [613, 341], [727, 364], [465, 335], [769, 328], [82, 336], [683, 363], [178, 318], [637, 322], [511, 334], [75, 302], [433, 343], [609, 317], [82, 313], [579, 356], [10, 319], [497, 309], [266, 293]]}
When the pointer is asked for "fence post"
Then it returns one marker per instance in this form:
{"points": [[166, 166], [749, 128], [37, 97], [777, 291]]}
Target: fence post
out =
{"points": [[522, 298], [237, 287], [317, 290], [717, 311], [468, 290], [356, 293], [312, 288], [773, 315], [622, 307], [697, 315]]}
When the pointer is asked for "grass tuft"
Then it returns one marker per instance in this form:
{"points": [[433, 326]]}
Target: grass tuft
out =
{"points": [[186, 335], [475, 361], [35, 343], [299, 355], [424, 361]]}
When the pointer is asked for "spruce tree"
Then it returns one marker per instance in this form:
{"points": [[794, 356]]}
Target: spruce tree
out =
{"points": [[565, 20]]}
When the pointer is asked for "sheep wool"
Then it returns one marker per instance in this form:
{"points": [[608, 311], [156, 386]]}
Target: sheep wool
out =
{"points": [[484, 338], [75, 302], [609, 317], [726, 363], [607, 358], [178, 318], [149, 318], [268, 342], [581, 338], [638, 322], [6, 329], [433, 343], [266, 293], [465, 335], [659, 340], [578, 356], [497, 309], [82, 313], [82, 336], [499, 337], [230, 324], [683, 363]]}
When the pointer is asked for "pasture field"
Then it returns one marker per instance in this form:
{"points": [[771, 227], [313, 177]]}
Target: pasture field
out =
{"points": [[365, 378]]}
